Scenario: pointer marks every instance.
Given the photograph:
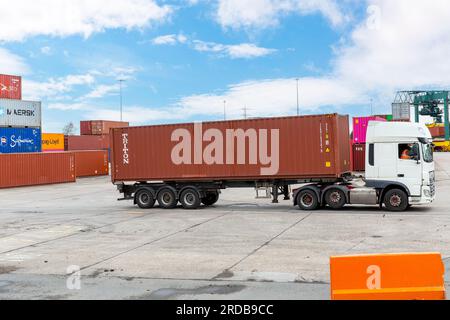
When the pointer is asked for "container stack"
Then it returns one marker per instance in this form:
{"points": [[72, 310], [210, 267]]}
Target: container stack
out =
{"points": [[20, 121], [91, 148], [360, 125]]}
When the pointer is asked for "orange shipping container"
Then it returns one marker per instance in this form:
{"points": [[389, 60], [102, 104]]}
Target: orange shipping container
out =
{"points": [[91, 163], [28, 169], [52, 142]]}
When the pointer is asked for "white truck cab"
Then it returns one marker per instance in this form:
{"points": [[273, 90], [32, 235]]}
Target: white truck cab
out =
{"points": [[400, 172], [401, 153]]}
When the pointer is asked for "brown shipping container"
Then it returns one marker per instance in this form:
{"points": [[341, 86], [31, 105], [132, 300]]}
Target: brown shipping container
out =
{"points": [[91, 163], [28, 169], [85, 128], [100, 127], [359, 157], [309, 147], [76, 143]]}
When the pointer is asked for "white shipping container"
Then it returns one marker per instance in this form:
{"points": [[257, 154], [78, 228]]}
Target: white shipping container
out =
{"points": [[18, 113]]}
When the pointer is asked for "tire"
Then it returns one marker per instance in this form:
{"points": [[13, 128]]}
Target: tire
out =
{"points": [[307, 200], [167, 199], [144, 199], [396, 200], [211, 198], [190, 199], [335, 199]]}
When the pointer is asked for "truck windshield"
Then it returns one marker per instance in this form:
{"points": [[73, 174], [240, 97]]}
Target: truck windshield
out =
{"points": [[427, 152]]}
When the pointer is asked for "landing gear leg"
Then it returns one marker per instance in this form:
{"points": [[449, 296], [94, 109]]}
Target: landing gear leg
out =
{"points": [[286, 193], [275, 193]]}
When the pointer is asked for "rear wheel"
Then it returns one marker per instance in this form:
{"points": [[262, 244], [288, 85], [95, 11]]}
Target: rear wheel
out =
{"points": [[167, 198], [307, 200], [144, 199], [396, 200], [190, 199], [211, 198], [335, 199]]}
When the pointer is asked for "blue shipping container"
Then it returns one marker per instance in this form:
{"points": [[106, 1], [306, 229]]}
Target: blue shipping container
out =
{"points": [[20, 140]]}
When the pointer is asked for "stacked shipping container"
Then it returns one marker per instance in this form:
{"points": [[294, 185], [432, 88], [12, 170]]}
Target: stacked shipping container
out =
{"points": [[20, 121], [360, 125]]}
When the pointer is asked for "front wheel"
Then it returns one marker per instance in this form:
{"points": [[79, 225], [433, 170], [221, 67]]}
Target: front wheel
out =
{"points": [[307, 200], [396, 200]]}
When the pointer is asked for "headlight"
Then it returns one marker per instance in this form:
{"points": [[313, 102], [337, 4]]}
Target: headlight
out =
{"points": [[427, 193]]}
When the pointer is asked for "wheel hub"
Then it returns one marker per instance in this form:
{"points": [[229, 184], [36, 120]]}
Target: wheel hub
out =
{"points": [[395, 200]]}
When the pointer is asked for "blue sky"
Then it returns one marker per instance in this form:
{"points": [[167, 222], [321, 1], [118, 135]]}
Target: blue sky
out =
{"points": [[182, 59]]}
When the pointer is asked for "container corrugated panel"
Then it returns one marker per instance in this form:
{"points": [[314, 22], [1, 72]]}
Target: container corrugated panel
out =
{"points": [[308, 147], [102, 127], [85, 128], [360, 125], [10, 87], [19, 113], [75, 143], [437, 131], [359, 157], [91, 163], [28, 169], [52, 142], [20, 140]]}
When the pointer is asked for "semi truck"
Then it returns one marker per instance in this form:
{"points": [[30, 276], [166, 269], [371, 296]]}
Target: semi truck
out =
{"points": [[191, 163]]}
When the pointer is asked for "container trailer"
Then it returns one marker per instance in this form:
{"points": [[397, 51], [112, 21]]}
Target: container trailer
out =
{"points": [[191, 163]]}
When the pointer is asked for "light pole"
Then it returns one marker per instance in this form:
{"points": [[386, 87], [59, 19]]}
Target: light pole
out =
{"points": [[121, 99], [298, 99], [224, 110]]}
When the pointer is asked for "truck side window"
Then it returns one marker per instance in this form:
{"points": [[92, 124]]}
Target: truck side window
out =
{"points": [[408, 151], [371, 154]]}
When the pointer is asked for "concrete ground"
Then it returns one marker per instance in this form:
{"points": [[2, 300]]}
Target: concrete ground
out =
{"points": [[241, 248]]}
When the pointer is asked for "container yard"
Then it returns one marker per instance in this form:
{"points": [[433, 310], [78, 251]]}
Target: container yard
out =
{"points": [[225, 159]]}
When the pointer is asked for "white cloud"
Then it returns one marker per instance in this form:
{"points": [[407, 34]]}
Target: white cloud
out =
{"points": [[135, 114], [25, 18], [46, 50], [170, 39], [102, 90], [34, 90], [402, 45], [11, 63], [268, 13], [243, 50]]}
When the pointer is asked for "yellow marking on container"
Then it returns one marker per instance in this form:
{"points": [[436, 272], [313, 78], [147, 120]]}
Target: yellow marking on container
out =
{"points": [[328, 164], [328, 150]]}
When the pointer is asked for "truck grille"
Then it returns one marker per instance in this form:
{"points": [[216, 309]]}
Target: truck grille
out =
{"points": [[432, 183]]}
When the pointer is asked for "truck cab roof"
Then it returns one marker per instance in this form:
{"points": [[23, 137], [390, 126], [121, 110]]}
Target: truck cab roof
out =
{"points": [[396, 131]]}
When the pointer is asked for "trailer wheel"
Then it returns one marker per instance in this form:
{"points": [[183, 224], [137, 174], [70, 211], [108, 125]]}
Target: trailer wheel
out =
{"points": [[167, 198], [144, 199], [335, 199], [307, 200], [190, 199], [211, 198], [396, 200]]}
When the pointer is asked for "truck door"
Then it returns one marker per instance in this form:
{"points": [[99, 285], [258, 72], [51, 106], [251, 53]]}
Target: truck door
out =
{"points": [[409, 167]]}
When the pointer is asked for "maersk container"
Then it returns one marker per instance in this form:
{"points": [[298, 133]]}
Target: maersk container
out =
{"points": [[265, 149], [20, 140], [18, 113], [10, 87], [29, 169], [360, 125]]}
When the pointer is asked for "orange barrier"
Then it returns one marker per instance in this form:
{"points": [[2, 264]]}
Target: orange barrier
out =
{"points": [[408, 276]]}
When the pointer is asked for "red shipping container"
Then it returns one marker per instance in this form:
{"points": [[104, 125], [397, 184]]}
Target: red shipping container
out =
{"points": [[10, 87], [359, 157], [85, 128], [360, 126], [28, 169], [76, 143], [91, 163], [100, 127], [302, 147], [437, 132]]}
